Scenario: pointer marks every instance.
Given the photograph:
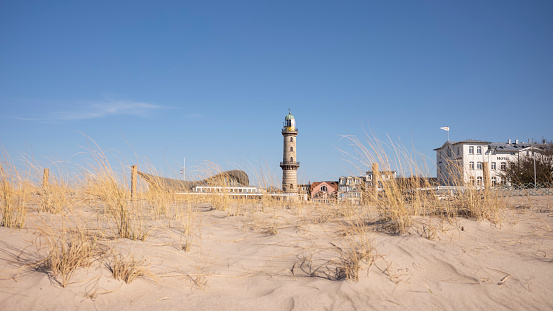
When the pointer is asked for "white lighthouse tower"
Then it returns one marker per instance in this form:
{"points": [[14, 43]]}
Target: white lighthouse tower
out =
{"points": [[289, 162]]}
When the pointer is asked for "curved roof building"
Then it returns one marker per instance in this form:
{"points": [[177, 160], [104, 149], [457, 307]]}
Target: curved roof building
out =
{"points": [[227, 178]]}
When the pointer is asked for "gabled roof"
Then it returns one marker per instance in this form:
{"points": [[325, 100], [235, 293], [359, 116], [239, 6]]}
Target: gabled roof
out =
{"points": [[333, 184]]}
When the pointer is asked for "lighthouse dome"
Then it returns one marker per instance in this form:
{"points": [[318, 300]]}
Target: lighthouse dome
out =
{"points": [[289, 122]]}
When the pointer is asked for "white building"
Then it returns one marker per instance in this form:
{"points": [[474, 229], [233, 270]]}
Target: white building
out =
{"points": [[466, 158], [382, 176], [350, 189]]}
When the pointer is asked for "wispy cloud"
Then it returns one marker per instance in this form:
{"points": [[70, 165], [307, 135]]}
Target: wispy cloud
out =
{"points": [[109, 106], [193, 115]]}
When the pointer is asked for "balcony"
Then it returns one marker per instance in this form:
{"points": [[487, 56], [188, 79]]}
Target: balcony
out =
{"points": [[294, 131], [290, 164]]}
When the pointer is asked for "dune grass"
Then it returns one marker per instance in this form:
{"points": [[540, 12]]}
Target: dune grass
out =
{"points": [[127, 268], [69, 249], [14, 193], [401, 199]]}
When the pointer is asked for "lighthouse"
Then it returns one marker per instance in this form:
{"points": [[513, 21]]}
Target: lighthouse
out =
{"points": [[289, 162]]}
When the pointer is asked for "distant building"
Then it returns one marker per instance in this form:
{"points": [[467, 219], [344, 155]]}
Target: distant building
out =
{"points": [[461, 161], [304, 189], [350, 189], [324, 191], [382, 176]]}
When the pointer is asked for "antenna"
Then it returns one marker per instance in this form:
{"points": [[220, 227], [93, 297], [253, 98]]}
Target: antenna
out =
{"points": [[183, 170]]}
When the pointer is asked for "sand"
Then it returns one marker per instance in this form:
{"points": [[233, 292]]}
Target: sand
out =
{"points": [[269, 261]]}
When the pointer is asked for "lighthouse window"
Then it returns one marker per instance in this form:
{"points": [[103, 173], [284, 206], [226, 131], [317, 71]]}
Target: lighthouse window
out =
{"points": [[291, 148], [291, 159], [292, 139]]}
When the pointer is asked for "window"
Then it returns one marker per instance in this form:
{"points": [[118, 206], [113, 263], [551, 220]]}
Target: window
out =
{"points": [[292, 139], [503, 166], [471, 179], [458, 151], [449, 152], [479, 180], [478, 165], [291, 159], [291, 148], [471, 165], [324, 189], [494, 181], [479, 150], [471, 149], [493, 166]]}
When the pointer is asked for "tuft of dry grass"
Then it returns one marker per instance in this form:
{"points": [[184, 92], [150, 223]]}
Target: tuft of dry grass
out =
{"points": [[68, 251], [128, 268], [104, 184], [353, 259], [14, 194]]}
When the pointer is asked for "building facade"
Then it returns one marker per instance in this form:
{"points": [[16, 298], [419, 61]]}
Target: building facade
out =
{"points": [[382, 176], [324, 192], [462, 162], [351, 189], [289, 162]]}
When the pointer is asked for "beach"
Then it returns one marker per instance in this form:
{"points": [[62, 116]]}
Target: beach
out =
{"points": [[293, 258]]}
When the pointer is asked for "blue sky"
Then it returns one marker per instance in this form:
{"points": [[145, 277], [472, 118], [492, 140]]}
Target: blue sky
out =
{"points": [[213, 80]]}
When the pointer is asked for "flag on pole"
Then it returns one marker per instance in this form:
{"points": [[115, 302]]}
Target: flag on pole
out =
{"points": [[445, 128]]}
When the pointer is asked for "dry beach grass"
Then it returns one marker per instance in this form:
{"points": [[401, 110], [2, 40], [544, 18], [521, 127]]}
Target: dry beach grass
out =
{"points": [[87, 244]]}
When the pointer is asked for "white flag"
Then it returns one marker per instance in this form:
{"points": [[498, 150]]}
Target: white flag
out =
{"points": [[445, 128]]}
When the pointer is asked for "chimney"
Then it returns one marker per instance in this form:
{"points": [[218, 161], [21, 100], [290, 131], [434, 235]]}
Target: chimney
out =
{"points": [[516, 141], [509, 142]]}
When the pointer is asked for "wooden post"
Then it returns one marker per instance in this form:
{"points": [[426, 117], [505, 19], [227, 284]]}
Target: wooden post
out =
{"points": [[375, 180], [486, 167], [133, 181], [45, 178]]}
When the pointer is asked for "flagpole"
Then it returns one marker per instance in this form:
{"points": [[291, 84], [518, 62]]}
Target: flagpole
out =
{"points": [[446, 128]]}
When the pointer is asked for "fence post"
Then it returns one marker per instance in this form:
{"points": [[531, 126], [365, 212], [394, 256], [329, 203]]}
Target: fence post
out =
{"points": [[486, 167], [375, 180], [45, 178], [133, 181]]}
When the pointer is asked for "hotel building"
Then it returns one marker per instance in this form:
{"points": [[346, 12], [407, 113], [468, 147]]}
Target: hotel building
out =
{"points": [[462, 161]]}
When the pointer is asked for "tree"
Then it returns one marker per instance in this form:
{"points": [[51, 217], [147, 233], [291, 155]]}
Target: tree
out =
{"points": [[521, 171]]}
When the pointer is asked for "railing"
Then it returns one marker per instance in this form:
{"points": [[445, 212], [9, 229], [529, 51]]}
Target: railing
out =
{"points": [[290, 163], [526, 189], [295, 130]]}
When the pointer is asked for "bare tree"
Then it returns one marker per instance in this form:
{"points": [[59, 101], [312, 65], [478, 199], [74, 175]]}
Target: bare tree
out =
{"points": [[538, 165]]}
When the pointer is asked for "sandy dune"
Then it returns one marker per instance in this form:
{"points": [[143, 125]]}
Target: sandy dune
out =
{"points": [[286, 260]]}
